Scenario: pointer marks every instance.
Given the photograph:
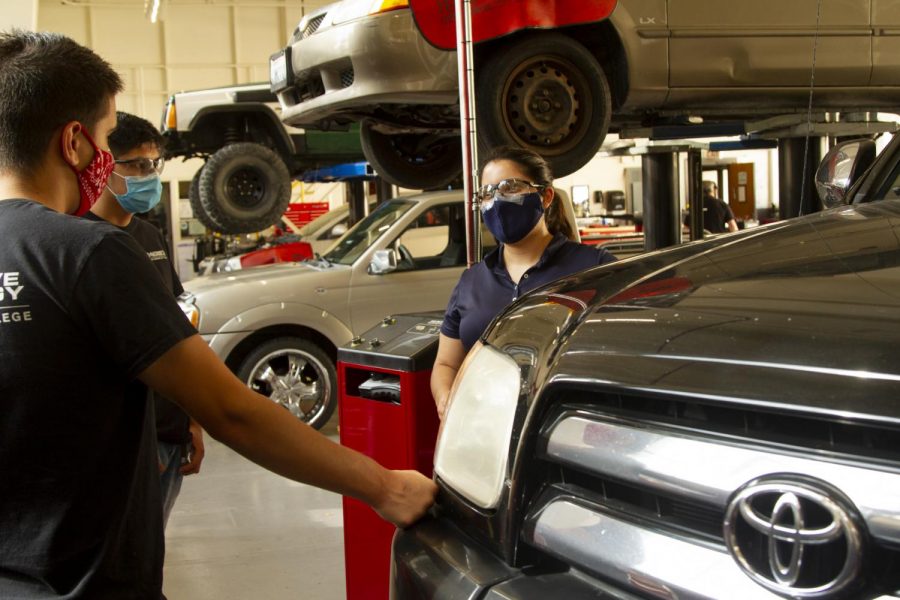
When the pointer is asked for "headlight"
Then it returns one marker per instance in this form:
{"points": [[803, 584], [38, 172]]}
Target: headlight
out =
{"points": [[473, 447], [186, 302], [348, 10], [380, 6]]}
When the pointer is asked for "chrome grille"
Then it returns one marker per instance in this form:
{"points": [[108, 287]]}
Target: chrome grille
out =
{"points": [[816, 432], [628, 482], [312, 26], [347, 77]]}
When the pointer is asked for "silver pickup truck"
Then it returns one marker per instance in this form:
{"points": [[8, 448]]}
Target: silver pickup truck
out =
{"points": [[278, 326]]}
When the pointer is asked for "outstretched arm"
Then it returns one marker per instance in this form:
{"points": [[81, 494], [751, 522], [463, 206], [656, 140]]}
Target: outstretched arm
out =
{"points": [[450, 356], [194, 377]]}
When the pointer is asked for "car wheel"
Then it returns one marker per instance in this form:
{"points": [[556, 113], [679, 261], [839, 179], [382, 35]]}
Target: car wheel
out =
{"points": [[412, 160], [546, 93], [197, 206], [245, 187], [296, 374]]}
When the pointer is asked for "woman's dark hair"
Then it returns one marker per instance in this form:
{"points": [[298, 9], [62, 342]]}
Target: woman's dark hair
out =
{"points": [[538, 171]]}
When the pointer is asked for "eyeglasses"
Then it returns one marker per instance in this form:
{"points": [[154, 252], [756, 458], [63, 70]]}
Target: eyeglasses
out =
{"points": [[503, 190], [143, 165]]}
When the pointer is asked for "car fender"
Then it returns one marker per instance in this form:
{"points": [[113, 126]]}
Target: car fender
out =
{"points": [[271, 119], [278, 314], [491, 19]]}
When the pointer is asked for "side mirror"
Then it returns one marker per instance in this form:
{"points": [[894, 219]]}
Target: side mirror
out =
{"points": [[840, 169], [337, 231], [383, 261]]}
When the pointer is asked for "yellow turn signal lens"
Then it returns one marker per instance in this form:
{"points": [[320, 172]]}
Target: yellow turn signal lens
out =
{"points": [[171, 120], [380, 6]]}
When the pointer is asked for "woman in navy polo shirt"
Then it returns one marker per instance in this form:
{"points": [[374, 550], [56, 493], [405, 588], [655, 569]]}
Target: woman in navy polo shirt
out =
{"points": [[519, 208]]}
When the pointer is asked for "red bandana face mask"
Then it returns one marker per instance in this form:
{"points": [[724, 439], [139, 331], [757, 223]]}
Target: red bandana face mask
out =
{"points": [[92, 179]]}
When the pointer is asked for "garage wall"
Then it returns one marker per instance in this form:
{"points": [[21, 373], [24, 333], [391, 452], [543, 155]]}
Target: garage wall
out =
{"points": [[18, 14], [195, 44]]}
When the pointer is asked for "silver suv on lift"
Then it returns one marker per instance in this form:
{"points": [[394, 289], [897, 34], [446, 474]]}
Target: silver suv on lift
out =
{"points": [[251, 156], [554, 76]]}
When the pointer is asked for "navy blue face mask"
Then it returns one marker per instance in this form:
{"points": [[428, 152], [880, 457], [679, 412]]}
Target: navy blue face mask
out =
{"points": [[511, 218]]}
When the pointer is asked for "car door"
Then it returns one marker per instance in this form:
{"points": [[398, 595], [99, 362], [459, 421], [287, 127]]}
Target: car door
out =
{"points": [[769, 43], [431, 258]]}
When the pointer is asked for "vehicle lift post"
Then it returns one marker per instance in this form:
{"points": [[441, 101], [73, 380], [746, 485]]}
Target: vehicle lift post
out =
{"points": [[695, 193], [796, 188]]}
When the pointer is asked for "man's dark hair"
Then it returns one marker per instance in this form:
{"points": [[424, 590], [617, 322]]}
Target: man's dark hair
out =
{"points": [[131, 132], [46, 81]]}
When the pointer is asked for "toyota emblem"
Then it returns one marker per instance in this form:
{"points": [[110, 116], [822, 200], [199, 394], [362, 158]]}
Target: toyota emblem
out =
{"points": [[794, 536]]}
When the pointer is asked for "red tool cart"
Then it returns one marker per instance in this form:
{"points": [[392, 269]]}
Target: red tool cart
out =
{"points": [[386, 412]]}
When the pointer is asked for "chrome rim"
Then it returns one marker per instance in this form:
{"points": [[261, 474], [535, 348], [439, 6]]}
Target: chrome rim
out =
{"points": [[293, 379]]}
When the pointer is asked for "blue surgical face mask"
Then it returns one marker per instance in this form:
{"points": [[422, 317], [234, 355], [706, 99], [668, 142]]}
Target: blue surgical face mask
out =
{"points": [[511, 218], [142, 193]]}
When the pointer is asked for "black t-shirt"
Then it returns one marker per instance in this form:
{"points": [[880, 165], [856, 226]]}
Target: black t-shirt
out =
{"points": [[716, 215], [81, 314], [172, 423]]}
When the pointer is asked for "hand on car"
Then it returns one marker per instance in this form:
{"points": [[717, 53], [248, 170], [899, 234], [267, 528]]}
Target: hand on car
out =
{"points": [[408, 495], [196, 456]]}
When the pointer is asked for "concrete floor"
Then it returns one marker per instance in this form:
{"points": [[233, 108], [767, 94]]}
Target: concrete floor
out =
{"points": [[238, 531]]}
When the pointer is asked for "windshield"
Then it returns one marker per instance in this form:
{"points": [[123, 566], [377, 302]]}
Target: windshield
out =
{"points": [[323, 221], [364, 233]]}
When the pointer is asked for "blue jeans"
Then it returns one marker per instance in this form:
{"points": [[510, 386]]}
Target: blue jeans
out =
{"points": [[170, 479]]}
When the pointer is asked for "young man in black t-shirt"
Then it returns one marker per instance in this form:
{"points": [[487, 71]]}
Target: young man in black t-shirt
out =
{"points": [[135, 188], [83, 314], [717, 215]]}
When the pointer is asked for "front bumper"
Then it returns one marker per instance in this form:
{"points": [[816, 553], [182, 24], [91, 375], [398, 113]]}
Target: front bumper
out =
{"points": [[434, 559], [381, 59]]}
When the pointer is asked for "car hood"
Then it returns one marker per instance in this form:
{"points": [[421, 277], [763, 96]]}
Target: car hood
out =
{"points": [[800, 314], [223, 296]]}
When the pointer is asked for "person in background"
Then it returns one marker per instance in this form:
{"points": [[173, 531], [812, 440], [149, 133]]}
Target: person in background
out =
{"points": [[135, 188], [83, 315], [717, 216], [520, 208]]}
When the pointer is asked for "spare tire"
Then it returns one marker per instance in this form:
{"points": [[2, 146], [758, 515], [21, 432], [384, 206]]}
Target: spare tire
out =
{"points": [[244, 188], [197, 206], [545, 92], [419, 161]]}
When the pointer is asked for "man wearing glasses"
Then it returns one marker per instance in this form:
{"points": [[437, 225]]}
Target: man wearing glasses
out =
{"points": [[135, 188]]}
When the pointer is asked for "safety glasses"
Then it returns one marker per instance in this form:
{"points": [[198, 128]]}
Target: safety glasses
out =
{"points": [[144, 166], [507, 190]]}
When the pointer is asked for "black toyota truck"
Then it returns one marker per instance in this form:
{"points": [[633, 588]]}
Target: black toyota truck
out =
{"points": [[716, 420]]}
